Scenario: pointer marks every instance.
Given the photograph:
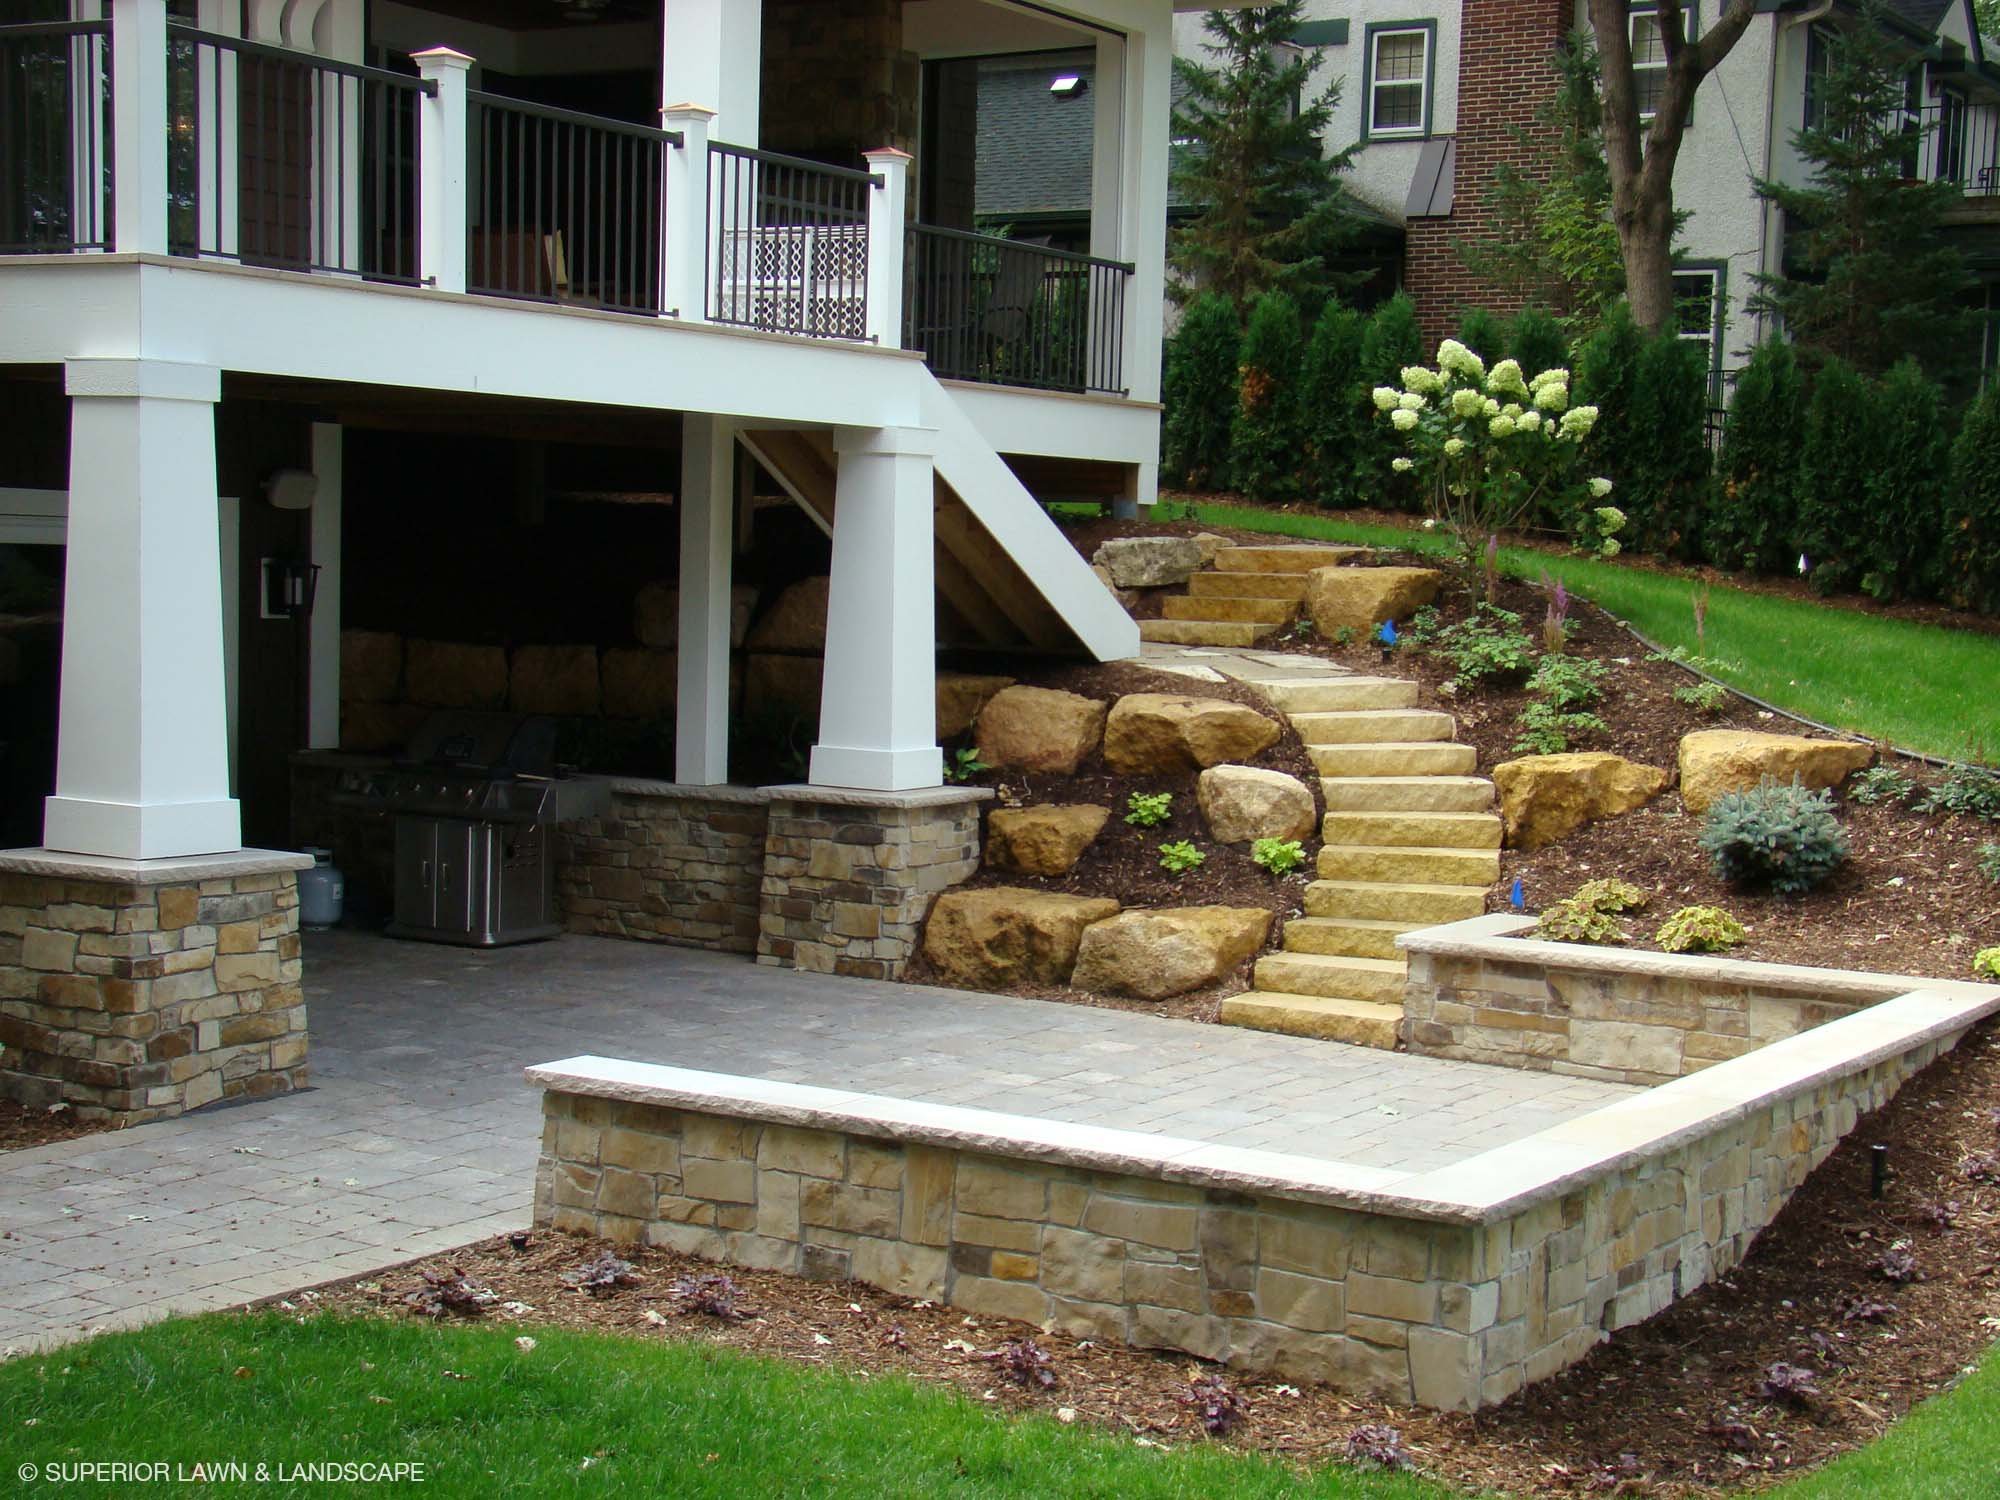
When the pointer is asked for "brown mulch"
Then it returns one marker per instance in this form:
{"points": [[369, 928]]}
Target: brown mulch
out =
{"points": [[21, 1127], [1671, 1407]]}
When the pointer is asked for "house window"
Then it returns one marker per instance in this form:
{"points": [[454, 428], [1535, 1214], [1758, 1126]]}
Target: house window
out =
{"points": [[1948, 141], [1819, 43], [1698, 309], [1649, 62], [1399, 81]]}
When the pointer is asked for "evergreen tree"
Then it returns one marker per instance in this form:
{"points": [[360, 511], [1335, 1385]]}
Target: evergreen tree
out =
{"points": [[1754, 524], [1972, 509], [1667, 465], [1868, 278], [1607, 368], [1266, 441], [1484, 334], [1836, 490], [1391, 342], [1199, 389], [1537, 343], [1267, 198], [1907, 500], [1333, 410]]}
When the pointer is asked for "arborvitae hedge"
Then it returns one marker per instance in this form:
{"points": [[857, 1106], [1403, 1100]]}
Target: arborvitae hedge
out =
{"points": [[1536, 341], [1392, 341], [1666, 459], [1484, 334], [1907, 495], [1199, 387], [1333, 406], [1754, 513], [1972, 509], [1843, 447], [1267, 440]]}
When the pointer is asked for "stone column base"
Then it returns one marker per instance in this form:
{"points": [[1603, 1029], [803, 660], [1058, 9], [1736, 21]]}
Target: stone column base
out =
{"points": [[135, 990], [850, 875]]}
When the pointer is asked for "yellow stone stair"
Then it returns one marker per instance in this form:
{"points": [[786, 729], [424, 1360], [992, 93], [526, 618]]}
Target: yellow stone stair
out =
{"points": [[1248, 595]]}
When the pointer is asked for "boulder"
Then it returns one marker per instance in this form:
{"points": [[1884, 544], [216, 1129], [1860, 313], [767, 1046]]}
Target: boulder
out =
{"points": [[1716, 761], [1004, 935], [1149, 562], [1039, 729], [1242, 804], [795, 622], [1154, 954], [1210, 544], [371, 666], [446, 674], [1362, 598], [1544, 797], [1124, 597], [639, 683], [656, 614], [1153, 734], [1044, 840], [783, 684], [554, 680], [960, 696]]}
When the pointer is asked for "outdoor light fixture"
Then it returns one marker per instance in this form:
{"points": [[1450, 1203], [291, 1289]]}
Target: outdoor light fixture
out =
{"points": [[1068, 86]]}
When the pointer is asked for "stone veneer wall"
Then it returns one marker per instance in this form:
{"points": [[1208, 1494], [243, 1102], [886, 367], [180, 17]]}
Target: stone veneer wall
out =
{"points": [[1479, 993], [850, 876], [136, 999], [1452, 1288], [667, 863]]}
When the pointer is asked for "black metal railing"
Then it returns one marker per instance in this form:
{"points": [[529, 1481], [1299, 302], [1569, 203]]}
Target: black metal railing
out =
{"points": [[55, 138], [1956, 140], [565, 207], [1010, 312], [787, 244], [279, 158]]}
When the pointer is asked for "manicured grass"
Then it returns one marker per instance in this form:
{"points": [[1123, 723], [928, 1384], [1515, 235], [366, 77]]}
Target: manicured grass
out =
{"points": [[1921, 687], [1946, 1449]]}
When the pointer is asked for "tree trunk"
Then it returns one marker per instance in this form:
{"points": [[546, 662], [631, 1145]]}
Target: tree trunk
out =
{"points": [[1646, 238]]}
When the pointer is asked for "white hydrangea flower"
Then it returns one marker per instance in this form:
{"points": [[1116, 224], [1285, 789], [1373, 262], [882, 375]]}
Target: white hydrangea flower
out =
{"points": [[1529, 421], [1549, 377], [1466, 402], [1424, 381], [1505, 379], [1402, 419], [1578, 421], [1599, 488], [1411, 401], [1453, 447], [1511, 409], [1489, 407], [1553, 396], [1501, 427], [1608, 547], [1401, 465], [1385, 397], [1455, 357]]}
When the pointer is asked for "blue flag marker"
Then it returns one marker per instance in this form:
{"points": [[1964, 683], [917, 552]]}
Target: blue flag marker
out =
{"points": [[1517, 897], [1387, 634]]}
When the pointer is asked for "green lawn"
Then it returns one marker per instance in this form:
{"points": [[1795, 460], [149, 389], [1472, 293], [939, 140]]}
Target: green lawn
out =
{"points": [[597, 1415], [1920, 687]]}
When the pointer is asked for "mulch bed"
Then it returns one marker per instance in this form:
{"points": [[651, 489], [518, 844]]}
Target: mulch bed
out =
{"points": [[21, 1127], [1672, 1407]]}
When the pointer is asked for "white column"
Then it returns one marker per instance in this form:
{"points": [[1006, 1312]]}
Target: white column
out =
{"points": [[323, 630], [1107, 149], [1142, 202], [142, 759], [139, 125], [441, 170], [707, 501], [878, 706], [888, 209], [713, 50], [684, 219]]}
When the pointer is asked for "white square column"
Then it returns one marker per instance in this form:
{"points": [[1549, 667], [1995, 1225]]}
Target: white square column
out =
{"points": [[878, 706], [142, 758], [707, 504], [712, 54]]}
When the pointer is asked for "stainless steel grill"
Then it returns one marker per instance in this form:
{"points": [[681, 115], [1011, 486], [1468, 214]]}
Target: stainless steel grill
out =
{"points": [[475, 801]]}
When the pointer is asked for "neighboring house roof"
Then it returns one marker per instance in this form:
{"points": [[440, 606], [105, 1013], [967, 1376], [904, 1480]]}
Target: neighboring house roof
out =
{"points": [[1923, 13]]}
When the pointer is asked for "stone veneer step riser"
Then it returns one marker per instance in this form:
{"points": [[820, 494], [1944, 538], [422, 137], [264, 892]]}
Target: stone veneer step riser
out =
{"points": [[1359, 1023], [1201, 633], [1290, 587], [1229, 611], [1282, 559], [1403, 758], [1341, 695], [1374, 726], [1470, 794], [1379, 980], [1403, 865], [1412, 830], [1419, 904], [1344, 937]]}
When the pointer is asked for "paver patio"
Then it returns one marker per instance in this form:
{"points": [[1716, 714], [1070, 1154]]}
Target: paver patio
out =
{"points": [[419, 1133]]}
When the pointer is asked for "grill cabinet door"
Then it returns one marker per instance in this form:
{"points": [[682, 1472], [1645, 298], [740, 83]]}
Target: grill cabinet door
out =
{"points": [[416, 872]]}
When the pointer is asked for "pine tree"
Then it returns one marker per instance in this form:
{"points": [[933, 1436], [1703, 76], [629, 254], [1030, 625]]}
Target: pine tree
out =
{"points": [[1199, 387], [1869, 278], [1266, 441], [1754, 524], [1267, 198], [1333, 409]]}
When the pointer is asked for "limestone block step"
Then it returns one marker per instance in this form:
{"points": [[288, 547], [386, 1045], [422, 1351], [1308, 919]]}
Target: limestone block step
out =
{"points": [[1290, 587], [1339, 694], [1423, 830], [1302, 558], [1345, 937], [1378, 979], [1201, 632], [1371, 726], [1236, 611], [1406, 793], [1394, 758], [1404, 862], [1403, 901], [1360, 1023]]}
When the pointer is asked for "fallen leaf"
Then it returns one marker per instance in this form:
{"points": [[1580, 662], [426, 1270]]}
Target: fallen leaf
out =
{"points": [[381, 1400], [524, 1343], [1065, 1413], [455, 1375], [243, 1372], [822, 1339]]}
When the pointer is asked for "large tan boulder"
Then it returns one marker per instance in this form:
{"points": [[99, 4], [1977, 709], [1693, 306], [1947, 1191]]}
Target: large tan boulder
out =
{"points": [[446, 674], [1154, 954], [960, 696], [1545, 797], [1039, 729], [371, 666], [783, 684], [1044, 840], [554, 680], [1717, 761], [1362, 598], [1149, 562], [1210, 544], [1005, 935], [796, 621], [1152, 734], [656, 614], [1242, 804], [639, 683]]}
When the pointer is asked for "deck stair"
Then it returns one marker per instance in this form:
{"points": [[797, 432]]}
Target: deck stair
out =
{"points": [[1250, 592], [1409, 839]]}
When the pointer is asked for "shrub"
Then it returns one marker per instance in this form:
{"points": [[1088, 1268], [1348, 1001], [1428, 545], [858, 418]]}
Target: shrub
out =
{"points": [[1607, 368], [1266, 439], [1881, 784], [1149, 809], [1484, 334], [1611, 895], [1776, 835], [1547, 730], [1664, 490], [1181, 856], [1700, 929], [1972, 508], [1391, 343], [1536, 341], [1835, 481], [1753, 514], [1989, 862], [1906, 499], [1489, 646], [1986, 963], [1333, 409], [1573, 922], [1568, 682], [1279, 856], [1964, 792], [1199, 386], [1703, 697]]}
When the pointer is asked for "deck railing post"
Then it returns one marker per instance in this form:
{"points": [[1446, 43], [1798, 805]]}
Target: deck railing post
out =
{"points": [[139, 125], [442, 149], [684, 223], [888, 208]]}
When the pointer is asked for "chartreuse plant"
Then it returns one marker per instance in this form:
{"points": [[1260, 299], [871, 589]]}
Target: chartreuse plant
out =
{"points": [[1488, 646], [1778, 836], [1575, 921], [1149, 809], [1180, 856], [1986, 963], [1611, 895], [1700, 929], [1279, 856]]}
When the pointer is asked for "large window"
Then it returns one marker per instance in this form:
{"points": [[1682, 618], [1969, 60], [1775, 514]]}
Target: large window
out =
{"points": [[1698, 310], [1399, 80], [1649, 62]]}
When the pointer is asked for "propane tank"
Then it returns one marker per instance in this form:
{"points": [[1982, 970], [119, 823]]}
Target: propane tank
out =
{"points": [[321, 892]]}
